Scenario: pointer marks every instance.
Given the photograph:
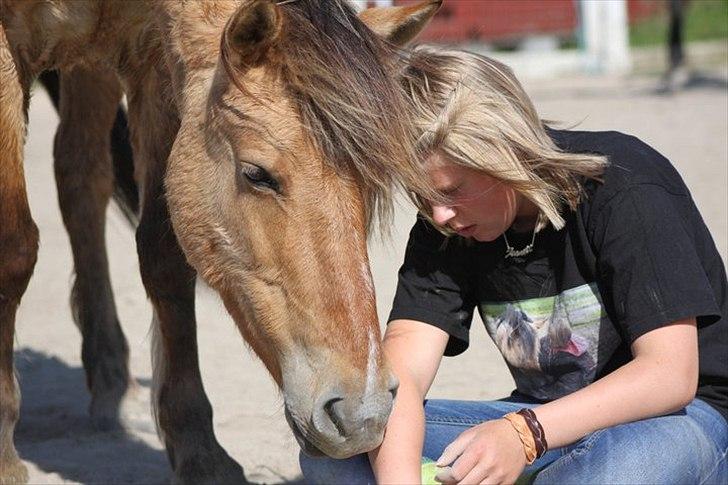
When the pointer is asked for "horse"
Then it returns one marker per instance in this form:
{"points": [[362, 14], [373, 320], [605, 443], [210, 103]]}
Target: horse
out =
{"points": [[266, 137]]}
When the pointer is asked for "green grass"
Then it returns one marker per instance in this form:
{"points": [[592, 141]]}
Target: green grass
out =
{"points": [[704, 20]]}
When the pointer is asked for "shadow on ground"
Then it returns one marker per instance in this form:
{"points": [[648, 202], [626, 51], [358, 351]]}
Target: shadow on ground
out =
{"points": [[697, 81], [55, 432], [635, 88]]}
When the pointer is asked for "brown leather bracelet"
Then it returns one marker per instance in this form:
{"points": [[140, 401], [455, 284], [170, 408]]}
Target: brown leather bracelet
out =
{"points": [[524, 434], [539, 437]]}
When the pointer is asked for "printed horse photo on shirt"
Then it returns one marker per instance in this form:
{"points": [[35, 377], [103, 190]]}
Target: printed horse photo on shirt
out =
{"points": [[551, 345]]}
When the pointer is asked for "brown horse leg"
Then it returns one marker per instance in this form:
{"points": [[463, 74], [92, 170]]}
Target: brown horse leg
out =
{"points": [[84, 177], [184, 414], [18, 250]]}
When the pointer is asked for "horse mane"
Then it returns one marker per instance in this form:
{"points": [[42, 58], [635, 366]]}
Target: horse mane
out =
{"points": [[341, 77]]}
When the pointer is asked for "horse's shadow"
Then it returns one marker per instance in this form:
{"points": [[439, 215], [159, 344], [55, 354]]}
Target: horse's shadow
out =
{"points": [[55, 433], [696, 81]]}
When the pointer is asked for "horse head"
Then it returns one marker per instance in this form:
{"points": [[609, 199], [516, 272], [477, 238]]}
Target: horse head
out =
{"points": [[293, 127]]}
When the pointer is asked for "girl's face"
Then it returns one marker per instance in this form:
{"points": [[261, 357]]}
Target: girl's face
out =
{"points": [[478, 206]]}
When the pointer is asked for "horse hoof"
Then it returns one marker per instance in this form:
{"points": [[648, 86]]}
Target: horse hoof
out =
{"points": [[107, 424], [13, 472], [220, 469], [106, 415], [107, 408]]}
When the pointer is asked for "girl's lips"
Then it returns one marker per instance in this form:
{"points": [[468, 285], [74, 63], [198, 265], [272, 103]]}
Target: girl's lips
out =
{"points": [[466, 231]]}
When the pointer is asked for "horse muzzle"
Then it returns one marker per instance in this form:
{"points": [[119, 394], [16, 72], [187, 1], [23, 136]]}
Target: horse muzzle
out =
{"points": [[341, 425]]}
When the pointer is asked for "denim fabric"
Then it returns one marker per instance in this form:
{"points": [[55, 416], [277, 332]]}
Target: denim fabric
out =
{"points": [[689, 446]]}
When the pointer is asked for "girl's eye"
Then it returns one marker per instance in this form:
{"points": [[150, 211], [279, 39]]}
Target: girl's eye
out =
{"points": [[452, 192], [259, 177]]}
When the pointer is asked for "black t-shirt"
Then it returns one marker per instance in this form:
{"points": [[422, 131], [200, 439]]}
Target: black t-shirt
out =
{"points": [[634, 256]]}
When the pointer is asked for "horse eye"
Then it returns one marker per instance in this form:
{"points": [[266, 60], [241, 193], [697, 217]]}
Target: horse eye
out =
{"points": [[259, 177]]}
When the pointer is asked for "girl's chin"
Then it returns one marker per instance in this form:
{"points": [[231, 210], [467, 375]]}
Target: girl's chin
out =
{"points": [[486, 235]]}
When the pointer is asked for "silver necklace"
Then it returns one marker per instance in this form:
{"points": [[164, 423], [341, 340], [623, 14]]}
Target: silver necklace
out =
{"points": [[511, 252]]}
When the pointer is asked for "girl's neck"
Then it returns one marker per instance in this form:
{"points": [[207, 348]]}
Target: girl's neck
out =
{"points": [[526, 217]]}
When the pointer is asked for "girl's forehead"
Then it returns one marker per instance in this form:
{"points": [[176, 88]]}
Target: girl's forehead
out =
{"points": [[439, 166], [443, 169], [443, 173], [437, 159]]}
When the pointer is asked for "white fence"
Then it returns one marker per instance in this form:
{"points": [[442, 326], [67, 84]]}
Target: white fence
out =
{"points": [[603, 42]]}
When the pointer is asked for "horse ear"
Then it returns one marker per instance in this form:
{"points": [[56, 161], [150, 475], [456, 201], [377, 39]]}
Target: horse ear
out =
{"points": [[399, 25], [250, 33]]}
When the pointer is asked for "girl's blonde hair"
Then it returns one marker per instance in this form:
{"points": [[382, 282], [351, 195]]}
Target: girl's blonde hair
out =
{"points": [[474, 111]]}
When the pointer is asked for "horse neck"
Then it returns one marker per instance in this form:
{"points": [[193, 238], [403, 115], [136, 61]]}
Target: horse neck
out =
{"points": [[191, 32]]}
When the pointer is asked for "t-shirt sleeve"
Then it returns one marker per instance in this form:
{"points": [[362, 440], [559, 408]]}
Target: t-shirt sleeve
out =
{"points": [[648, 266], [433, 285]]}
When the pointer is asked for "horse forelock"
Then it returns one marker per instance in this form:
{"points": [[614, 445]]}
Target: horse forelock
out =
{"points": [[340, 77]]}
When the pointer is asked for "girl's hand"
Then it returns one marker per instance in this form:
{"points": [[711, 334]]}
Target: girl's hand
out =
{"points": [[490, 452]]}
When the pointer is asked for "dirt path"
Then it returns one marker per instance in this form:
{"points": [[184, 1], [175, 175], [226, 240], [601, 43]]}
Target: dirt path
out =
{"points": [[54, 436]]}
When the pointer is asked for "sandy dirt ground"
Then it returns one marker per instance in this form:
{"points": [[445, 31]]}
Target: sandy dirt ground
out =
{"points": [[54, 435]]}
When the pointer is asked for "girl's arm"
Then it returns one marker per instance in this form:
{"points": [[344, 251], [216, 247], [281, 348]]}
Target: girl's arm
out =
{"points": [[413, 350], [662, 378]]}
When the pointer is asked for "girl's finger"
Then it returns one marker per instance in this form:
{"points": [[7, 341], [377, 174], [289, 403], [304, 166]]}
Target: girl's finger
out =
{"points": [[454, 449], [478, 474], [445, 475], [463, 467]]}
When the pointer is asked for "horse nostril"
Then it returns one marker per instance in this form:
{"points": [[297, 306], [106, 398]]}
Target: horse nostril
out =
{"points": [[341, 416], [393, 386], [332, 407]]}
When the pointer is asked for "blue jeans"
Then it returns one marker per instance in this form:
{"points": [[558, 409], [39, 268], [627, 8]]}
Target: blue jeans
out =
{"points": [[686, 447]]}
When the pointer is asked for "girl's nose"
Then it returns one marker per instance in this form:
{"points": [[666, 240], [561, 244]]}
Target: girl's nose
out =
{"points": [[442, 214]]}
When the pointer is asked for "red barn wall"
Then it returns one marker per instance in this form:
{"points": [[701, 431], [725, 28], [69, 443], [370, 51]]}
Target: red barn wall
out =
{"points": [[501, 20]]}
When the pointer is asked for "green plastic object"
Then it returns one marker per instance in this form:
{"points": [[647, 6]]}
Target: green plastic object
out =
{"points": [[429, 470]]}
